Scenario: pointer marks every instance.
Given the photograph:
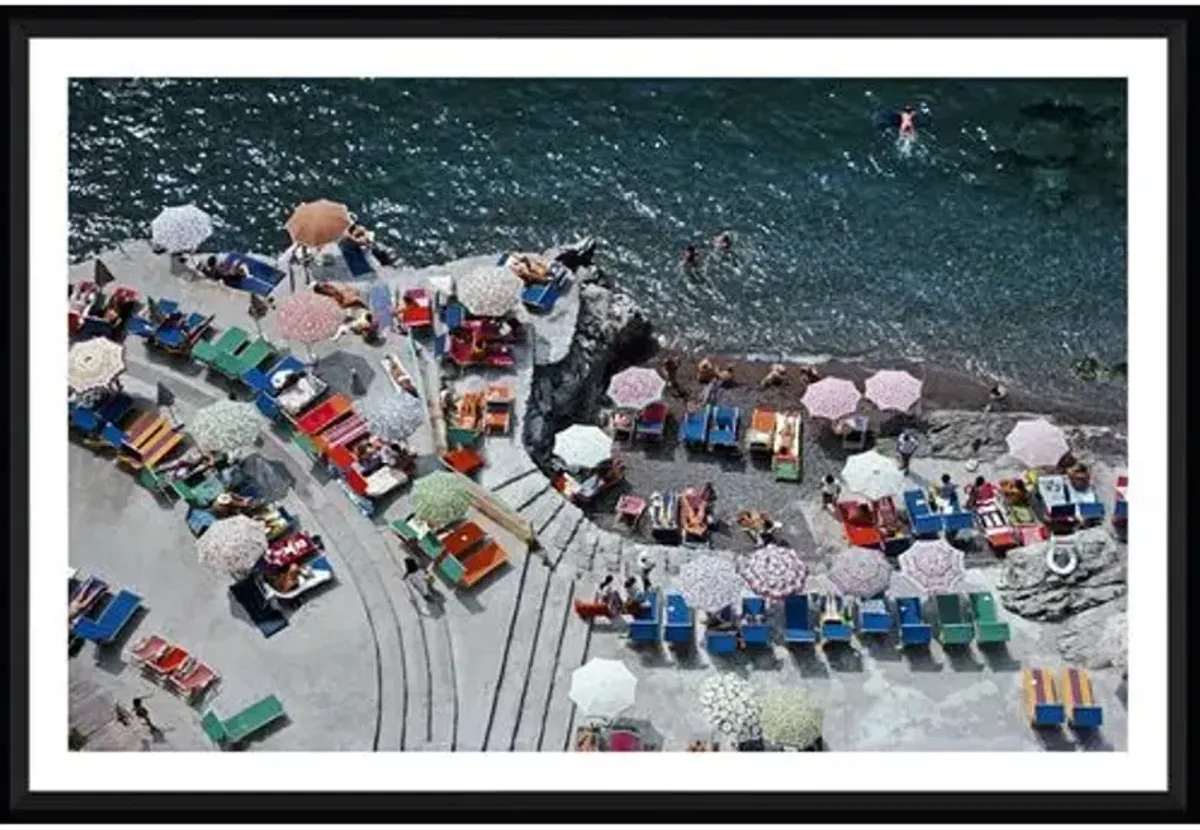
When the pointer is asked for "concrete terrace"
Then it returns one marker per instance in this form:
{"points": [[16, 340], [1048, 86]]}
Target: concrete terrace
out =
{"points": [[369, 664]]}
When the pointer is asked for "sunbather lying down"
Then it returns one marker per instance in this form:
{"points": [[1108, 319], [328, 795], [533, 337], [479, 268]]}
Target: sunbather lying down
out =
{"points": [[227, 504], [587, 740], [529, 270], [776, 376], [345, 295]]}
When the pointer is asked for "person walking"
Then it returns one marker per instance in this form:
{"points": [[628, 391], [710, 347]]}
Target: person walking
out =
{"points": [[143, 714], [830, 490], [906, 445], [646, 565]]}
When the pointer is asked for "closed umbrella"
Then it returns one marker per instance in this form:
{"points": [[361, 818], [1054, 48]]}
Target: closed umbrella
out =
{"points": [[489, 292], [583, 446], [318, 223], [831, 398], [636, 387], [773, 571], [872, 475], [893, 389], [731, 706], [308, 318], [226, 426], [440, 498], [1038, 443], [181, 228], [603, 688], [933, 566], [791, 717], [392, 416], [94, 364], [232, 546], [710, 583], [860, 572]]}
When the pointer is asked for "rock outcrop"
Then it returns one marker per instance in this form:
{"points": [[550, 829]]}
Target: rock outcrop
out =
{"points": [[1029, 588], [961, 434], [1097, 638]]}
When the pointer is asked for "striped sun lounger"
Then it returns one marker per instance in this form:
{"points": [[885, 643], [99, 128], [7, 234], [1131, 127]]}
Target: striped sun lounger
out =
{"points": [[1082, 711], [1042, 703]]}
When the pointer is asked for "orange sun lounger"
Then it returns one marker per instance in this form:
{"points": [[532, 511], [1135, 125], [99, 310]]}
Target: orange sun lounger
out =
{"points": [[1042, 703], [1082, 711]]}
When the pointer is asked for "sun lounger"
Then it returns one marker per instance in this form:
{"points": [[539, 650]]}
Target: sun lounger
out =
{"points": [[315, 573], [172, 659], [953, 628], [1089, 509], [652, 422], [923, 521], [84, 420], [797, 626], [498, 403], [992, 520], [720, 642], [230, 341], [1022, 516], [324, 414], [680, 625], [874, 617], [112, 620], [415, 534], [235, 366], [859, 527], [664, 516], [356, 259], [541, 297], [199, 491], [148, 649], [482, 562], [892, 530], [260, 379], [914, 631], [630, 509], [723, 430], [988, 628], [1079, 700], [646, 626], [268, 620], [693, 514], [1042, 704], [754, 633], [464, 460], [835, 628], [232, 731], [787, 450], [454, 315], [760, 436], [958, 521], [416, 309], [695, 427], [192, 682]]}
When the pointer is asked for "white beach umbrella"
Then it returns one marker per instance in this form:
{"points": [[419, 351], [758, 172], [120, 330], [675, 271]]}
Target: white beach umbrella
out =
{"points": [[773, 571], [583, 446], [636, 387], [489, 292], [392, 416], [710, 583], [181, 228], [791, 717], [731, 706], [1037, 443], [893, 389], [603, 688], [232, 546], [860, 572], [831, 398], [872, 475], [933, 566], [94, 364], [226, 426]]}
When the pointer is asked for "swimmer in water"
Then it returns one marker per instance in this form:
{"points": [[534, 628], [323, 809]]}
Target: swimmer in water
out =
{"points": [[691, 257], [908, 123], [723, 242]]}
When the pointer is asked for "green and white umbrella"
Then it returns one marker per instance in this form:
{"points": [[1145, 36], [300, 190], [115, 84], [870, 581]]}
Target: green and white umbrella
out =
{"points": [[181, 228], [731, 707], [791, 717], [489, 292], [94, 364], [583, 446], [226, 426], [440, 498], [232, 546], [602, 688]]}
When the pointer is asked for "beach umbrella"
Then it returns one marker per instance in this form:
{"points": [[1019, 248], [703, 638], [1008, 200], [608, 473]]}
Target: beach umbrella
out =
{"points": [[602, 688], [791, 717], [440, 498], [94, 364], [860, 572], [872, 475], [232, 546], [933, 566], [831, 398], [1037, 443], [710, 583], [101, 275], [226, 426], [893, 389], [392, 416], [731, 706], [489, 292], [318, 223], [181, 228], [308, 318], [636, 387], [583, 446], [773, 571]]}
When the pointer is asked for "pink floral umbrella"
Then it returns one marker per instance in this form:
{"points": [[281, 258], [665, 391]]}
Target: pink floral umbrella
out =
{"points": [[831, 398], [308, 318], [933, 566], [636, 387], [773, 571], [860, 572], [1038, 443], [893, 389]]}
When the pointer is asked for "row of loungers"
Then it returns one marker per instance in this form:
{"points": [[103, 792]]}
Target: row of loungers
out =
{"points": [[103, 612], [1050, 702]]}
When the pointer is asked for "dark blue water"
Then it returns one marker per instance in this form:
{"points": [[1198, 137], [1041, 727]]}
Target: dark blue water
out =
{"points": [[995, 244]]}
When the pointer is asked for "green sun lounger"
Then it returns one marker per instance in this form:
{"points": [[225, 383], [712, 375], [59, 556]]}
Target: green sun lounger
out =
{"points": [[230, 732], [953, 627], [228, 343], [988, 627], [428, 542], [200, 494], [234, 364]]}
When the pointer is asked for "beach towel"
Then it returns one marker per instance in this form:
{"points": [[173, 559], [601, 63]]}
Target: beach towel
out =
{"points": [[356, 259]]}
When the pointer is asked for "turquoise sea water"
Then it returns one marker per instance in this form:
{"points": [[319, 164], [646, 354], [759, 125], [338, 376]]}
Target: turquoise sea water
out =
{"points": [[994, 244]]}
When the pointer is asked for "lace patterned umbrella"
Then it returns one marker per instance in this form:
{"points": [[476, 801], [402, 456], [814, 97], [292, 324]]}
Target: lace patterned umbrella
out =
{"points": [[226, 426], [440, 498], [232, 546], [318, 223], [1037, 443], [872, 475], [583, 446], [489, 292], [636, 387], [831, 398], [710, 583], [181, 228], [791, 717], [860, 572], [94, 364], [603, 688], [893, 389], [308, 318], [731, 707], [394, 417], [773, 571], [933, 566]]}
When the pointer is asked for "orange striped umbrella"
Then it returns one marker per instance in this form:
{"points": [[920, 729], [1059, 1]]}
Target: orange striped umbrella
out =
{"points": [[318, 223]]}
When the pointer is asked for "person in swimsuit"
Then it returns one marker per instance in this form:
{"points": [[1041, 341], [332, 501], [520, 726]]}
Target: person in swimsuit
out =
{"points": [[908, 123], [691, 257]]}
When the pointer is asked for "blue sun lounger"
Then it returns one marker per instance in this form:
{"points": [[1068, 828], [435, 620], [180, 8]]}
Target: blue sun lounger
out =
{"points": [[925, 523], [262, 276], [680, 627], [874, 617], [199, 520], [542, 297], [379, 300], [797, 627], [723, 431], [755, 634], [958, 521], [454, 315], [356, 259], [720, 642], [914, 631], [834, 627], [646, 627], [695, 427], [115, 616], [83, 419], [260, 380]]}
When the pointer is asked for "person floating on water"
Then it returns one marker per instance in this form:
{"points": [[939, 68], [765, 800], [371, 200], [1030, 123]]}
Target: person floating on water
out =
{"points": [[691, 257], [908, 123], [723, 242]]}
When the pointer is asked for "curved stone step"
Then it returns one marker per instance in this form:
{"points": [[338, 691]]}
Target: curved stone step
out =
{"points": [[522, 491]]}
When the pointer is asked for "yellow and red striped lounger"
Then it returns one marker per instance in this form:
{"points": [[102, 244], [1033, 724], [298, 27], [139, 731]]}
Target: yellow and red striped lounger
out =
{"points": [[1082, 711], [1041, 698]]}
